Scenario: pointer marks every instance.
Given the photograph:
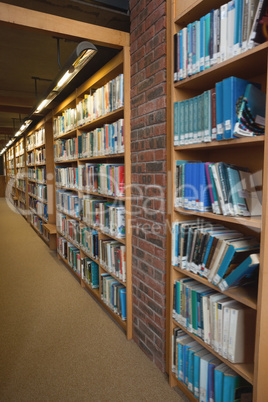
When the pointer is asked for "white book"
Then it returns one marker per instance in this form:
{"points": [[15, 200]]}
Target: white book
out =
{"points": [[219, 336], [230, 28], [223, 42], [213, 299], [203, 389], [241, 334], [184, 41]]}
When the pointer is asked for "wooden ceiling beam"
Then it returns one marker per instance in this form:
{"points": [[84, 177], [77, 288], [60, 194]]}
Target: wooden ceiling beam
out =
{"points": [[60, 26], [16, 101], [6, 130], [15, 109]]}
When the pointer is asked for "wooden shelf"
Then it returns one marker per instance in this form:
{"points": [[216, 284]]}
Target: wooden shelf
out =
{"points": [[103, 195], [92, 158], [184, 388], [196, 10], [105, 119], [244, 295], [236, 142], [253, 222]]}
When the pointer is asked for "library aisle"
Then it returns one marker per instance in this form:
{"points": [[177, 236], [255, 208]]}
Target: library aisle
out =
{"points": [[56, 343]]}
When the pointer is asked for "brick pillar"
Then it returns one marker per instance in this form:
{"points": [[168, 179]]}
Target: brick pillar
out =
{"points": [[149, 169]]}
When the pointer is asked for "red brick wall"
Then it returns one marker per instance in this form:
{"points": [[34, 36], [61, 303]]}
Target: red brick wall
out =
{"points": [[148, 157]]}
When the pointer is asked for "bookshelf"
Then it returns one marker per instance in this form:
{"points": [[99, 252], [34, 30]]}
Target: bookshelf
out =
{"points": [[83, 145], [248, 152], [40, 181], [21, 179], [11, 192]]}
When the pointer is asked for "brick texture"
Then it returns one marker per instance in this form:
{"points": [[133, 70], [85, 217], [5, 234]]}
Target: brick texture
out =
{"points": [[148, 158]]}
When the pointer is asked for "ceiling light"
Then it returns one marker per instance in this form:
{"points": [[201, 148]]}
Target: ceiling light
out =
{"points": [[80, 56]]}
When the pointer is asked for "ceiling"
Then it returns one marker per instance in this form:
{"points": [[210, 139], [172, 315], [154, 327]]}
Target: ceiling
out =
{"points": [[25, 54]]}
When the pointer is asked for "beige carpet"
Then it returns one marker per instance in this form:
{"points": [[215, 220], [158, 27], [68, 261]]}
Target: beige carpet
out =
{"points": [[56, 342]]}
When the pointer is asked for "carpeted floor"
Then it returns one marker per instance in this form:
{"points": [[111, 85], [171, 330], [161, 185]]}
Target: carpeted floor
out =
{"points": [[56, 342]]}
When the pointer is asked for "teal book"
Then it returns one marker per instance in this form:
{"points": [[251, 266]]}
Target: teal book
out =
{"points": [[235, 253], [123, 303], [211, 378], [233, 89], [231, 381], [218, 381], [176, 123], [191, 352], [238, 26], [251, 114], [243, 271], [207, 40], [219, 110], [197, 357]]}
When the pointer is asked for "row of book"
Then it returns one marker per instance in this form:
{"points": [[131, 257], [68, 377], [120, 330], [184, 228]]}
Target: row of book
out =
{"points": [[36, 139], [205, 375], [38, 207], [108, 216], [223, 323], [234, 108], [68, 203], [219, 187], [66, 149], [38, 190], [90, 272], [112, 252], [21, 185], [104, 178], [112, 255], [219, 35], [224, 256], [37, 222], [37, 174], [89, 241], [19, 148], [107, 140], [20, 161], [98, 103], [113, 294]]}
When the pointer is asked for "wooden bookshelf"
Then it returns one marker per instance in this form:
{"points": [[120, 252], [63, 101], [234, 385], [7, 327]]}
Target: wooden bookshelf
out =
{"points": [[120, 64], [40, 139], [248, 152]]}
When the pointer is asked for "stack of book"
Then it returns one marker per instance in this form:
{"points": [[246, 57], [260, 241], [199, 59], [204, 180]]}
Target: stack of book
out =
{"points": [[66, 177], [205, 375], [112, 255], [107, 140], [113, 293], [90, 272], [89, 241], [234, 108], [66, 149], [219, 35], [219, 187], [225, 257], [68, 203], [73, 258]]}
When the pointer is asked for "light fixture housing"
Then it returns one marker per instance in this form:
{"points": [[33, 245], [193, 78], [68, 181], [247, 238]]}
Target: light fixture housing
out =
{"points": [[23, 127], [78, 59]]}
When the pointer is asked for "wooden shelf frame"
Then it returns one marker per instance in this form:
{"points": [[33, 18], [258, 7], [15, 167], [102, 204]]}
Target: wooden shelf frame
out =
{"points": [[252, 65], [119, 64]]}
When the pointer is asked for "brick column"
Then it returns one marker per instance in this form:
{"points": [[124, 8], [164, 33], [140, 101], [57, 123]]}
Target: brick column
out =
{"points": [[148, 158]]}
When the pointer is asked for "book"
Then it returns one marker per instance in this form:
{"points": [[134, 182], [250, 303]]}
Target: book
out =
{"points": [[233, 88], [218, 381], [258, 33], [251, 114], [243, 271]]}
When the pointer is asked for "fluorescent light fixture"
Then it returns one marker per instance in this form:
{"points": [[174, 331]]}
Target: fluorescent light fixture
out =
{"points": [[78, 59], [23, 127]]}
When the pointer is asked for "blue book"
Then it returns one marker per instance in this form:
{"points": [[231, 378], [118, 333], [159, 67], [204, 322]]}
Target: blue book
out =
{"points": [[238, 26], [233, 88], [231, 381], [197, 68], [202, 43], [197, 357], [191, 352], [239, 203], [219, 110], [207, 41], [123, 303], [205, 204], [189, 49], [242, 272], [203, 386], [218, 381], [211, 378], [181, 343], [236, 252], [185, 360], [176, 123]]}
